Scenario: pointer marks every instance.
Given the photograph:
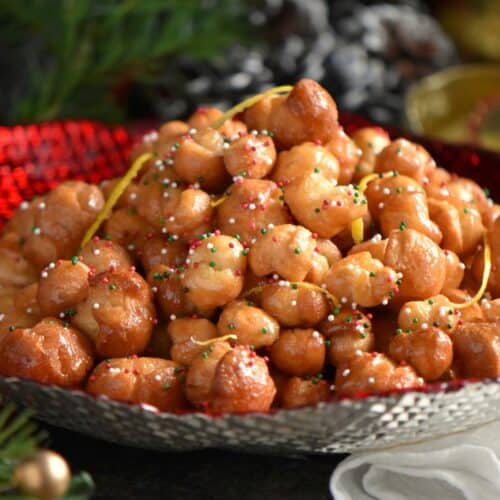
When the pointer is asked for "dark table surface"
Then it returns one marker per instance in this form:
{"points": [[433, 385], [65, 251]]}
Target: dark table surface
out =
{"points": [[129, 473]]}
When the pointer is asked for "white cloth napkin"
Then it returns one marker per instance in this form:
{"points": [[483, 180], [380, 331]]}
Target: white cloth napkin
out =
{"points": [[461, 466]]}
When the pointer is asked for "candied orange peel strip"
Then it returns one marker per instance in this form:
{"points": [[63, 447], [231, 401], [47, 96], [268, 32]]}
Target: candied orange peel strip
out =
{"points": [[218, 201], [485, 278], [282, 89], [230, 336], [115, 195], [357, 226]]}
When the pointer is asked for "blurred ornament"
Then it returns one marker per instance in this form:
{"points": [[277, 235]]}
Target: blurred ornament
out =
{"points": [[46, 475]]}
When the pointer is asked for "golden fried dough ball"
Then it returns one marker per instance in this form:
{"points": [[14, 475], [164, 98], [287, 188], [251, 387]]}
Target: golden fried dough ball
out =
{"points": [[407, 158], [60, 225], [215, 272], [173, 129], [203, 117], [22, 221], [297, 392], [476, 346], [373, 372], [150, 381], [299, 352], [322, 206], [127, 199], [400, 202], [295, 304], [461, 227], [371, 141], [429, 351], [466, 192], [434, 312], [305, 160], [233, 129], [259, 115], [49, 353], [286, 249], [164, 251], [478, 262], [62, 286], [118, 313], [101, 255], [307, 114], [347, 153], [473, 312], [251, 206], [375, 246], [362, 280], [491, 310], [420, 261], [250, 156], [20, 309], [454, 270], [199, 159], [325, 254], [128, 229], [184, 332], [348, 333], [251, 325], [168, 208], [15, 269]]}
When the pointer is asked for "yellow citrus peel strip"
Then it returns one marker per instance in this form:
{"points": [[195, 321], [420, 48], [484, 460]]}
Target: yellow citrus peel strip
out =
{"points": [[301, 284], [485, 279], [230, 336], [357, 226], [115, 195], [218, 202], [283, 89]]}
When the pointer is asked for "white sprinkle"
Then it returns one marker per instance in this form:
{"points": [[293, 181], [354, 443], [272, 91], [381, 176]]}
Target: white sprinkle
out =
{"points": [[358, 352], [371, 380], [169, 161], [487, 305], [37, 230], [163, 251], [61, 315], [386, 190], [461, 265], [165, 194], [196, 185], [377, 237], [133, 196], [192, 131], [52, 265], [376, 187], [154, 289], [399, 276], [157, 377], [424, 326], [232, 220], [293, 303], [96, 305], [171, 219], [191, 251], [264, 131], [252, 206], [381, 205], [346, 372], [420, 380], [173, 317], [343, 300], [24, 205], [164, 230], [29, 310], [425, 180], [410, 189], [323, 285], [281, 283], [174, 237], [331, 317], [270, 226], [254, 132], [385, 302], [315, 334], [174, 185], [131, 247], [354, 306], [42, 205], [253, 241], [2, 316], [96, 251], [225, 145], [407, 310], [44, 274], [275, 277]]}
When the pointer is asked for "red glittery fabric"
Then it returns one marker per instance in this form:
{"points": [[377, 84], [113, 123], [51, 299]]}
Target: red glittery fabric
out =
{"points": [[35, 158]]}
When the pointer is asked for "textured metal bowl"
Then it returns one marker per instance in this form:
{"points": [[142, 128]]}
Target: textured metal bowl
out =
{"points": [[336, 427]]}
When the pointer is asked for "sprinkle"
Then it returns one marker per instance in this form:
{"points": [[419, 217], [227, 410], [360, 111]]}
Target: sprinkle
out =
{"points": [[293, 303], [343, 300], [402, 226], [52, 265], [346, 372], [44, 274], [173, 317], [95, 305], [296, 251], [24, 205], [371, 380], [331, 317], [381, 205]]}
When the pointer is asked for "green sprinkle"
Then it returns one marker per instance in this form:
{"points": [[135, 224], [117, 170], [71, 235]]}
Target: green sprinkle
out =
{"points": [[316, 170], [176, 145], [145, 183], [22, 241], [210, 348], [163, 220], [415, 320], [348, 319], [166, 275], [402, 226], [213, 250], [364, 201], [211, 263], [237, 237], [435, 323], [328, 342], [157, 276], [398, 282], [430, 302], [231, 326], [74, 260], [281, 198], [486, 192], [112, 287], [398, 151], [296, 251], [295, 286], [336, 311], [185, 289], [263, 230], [317, 210], [204, 354], [132, 211], [166, 387], [391, 294], [245, 252], [264, 329], [449, 326], [399, 331], [372, 274], [178, 369], [363, 335], [244, 173], [466, 210], [409, 330], [355, 201], [395, 173], [399, 189], [12, 328]]}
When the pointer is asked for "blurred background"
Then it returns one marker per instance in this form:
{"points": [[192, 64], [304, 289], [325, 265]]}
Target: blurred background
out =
{"points": [[123, 60]]}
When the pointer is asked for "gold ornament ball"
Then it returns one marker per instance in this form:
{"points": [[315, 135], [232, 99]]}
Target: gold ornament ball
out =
{"points": [[46, 475]]}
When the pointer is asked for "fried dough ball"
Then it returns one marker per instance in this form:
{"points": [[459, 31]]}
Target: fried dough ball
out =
{"points": [[325, 254], [454, 270], [295, 305], [184, 332], [348, 333], [151, 381], [473, 312], [297, 392], [170, 293], [371, 141], [251, 206], [307, 114], [361, 279], [173, 128], [407, 158], [465, 192], [435, 312], [15, 269], [203, 117], [373, 372], [322, 206], [215, 273], [285, 249], [167, 252], [259, 115], [476, 346], [429, 351], [299, 352], [101, 255], [250, 156], [127, 199], [461, 227], [49, 353], [60, 225], [251, 325], [398, 202], [347, 153], [305, 160], [170, 209], [21, 309], [22, 221], [199, 159], [375, 246], [118, 313], [491, 310], [421, 262], [63, 285], [128, 229]]}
